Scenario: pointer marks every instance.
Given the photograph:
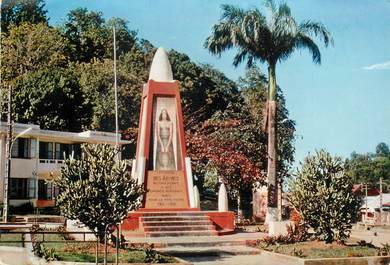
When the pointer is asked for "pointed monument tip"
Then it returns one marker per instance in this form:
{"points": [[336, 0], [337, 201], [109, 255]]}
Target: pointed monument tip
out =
{"points": [[161, 70]]}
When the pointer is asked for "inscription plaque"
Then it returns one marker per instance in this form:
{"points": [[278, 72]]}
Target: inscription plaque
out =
{"points": [[166, 189]]}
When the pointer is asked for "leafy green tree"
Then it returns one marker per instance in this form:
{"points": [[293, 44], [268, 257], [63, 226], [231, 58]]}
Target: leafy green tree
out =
{"points": [[97, 84], [204, 90], [382, 149], [125, 38], [97, 189], [92, 37], [16, 12], [220, 148], [86, 34], [370, 167], [30, 47], [269, 39], [322, 194], [50, 97]]}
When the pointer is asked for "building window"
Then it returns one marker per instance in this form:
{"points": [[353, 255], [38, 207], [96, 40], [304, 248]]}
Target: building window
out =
{"points": [[45, 150], [58, 151], [45, 190], [63, 151], [23, 148], [32, 186], [76, 150], [22, 188]]}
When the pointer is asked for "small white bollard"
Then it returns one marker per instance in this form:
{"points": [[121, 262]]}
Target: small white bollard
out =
{"points": [[196, 197], [133, 169], [190, 183], [141, 170], [222, 199]]}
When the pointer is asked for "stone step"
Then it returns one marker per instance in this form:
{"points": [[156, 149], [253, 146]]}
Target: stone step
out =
{"points": [[209, 243], [183, 242], [194, 251], [173, 214], [175, 223], [173, 218], [179, 228], [181, 233]]}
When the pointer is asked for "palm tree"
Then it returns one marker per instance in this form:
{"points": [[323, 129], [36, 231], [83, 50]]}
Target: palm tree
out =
{"points": [[268, 39]]}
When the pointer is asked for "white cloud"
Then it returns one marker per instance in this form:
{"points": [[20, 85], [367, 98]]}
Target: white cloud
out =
{"points": [[378, 66]]}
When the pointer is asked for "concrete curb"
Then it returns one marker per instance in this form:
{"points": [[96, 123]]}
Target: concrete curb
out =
{"points": [[371, 260], [89, 263]]}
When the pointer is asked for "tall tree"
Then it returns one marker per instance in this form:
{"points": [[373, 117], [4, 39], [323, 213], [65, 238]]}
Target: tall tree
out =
{"points": [[30, 47], [382, 149], [92, 37], [50, 97], [16, 12], [370, 167], [85, 31], [268, 39]]}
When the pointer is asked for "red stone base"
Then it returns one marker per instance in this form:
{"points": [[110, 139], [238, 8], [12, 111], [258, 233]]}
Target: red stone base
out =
{"points": [[224, 222]]}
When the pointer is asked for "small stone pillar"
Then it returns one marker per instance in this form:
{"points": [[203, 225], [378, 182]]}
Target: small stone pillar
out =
{"points": [[133, 169], [222, 199], [141, 170], [196, 197], [190, 183]]}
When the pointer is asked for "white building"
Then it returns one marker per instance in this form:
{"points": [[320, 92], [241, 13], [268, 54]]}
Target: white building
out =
{"points": [[37, 157], [370, 209]]}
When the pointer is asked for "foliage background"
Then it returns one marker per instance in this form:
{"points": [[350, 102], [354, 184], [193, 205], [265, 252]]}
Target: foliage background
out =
{"points": [[63, 80]]}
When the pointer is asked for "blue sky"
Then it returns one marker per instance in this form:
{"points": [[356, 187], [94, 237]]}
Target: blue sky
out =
{"points": [[342, 105]]}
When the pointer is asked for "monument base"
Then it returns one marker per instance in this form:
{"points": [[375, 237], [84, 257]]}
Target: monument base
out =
{"points": [[175, 222], [276, 228]]}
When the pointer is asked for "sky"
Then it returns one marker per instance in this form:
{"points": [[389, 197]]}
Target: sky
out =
{"points": [[342, 105]]}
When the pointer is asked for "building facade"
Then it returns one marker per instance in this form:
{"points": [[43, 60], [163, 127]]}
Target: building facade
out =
{"points": [[36, 159]]}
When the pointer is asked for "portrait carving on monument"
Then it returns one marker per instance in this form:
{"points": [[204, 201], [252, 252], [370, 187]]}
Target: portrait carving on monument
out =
{"points": [[165, 145]]}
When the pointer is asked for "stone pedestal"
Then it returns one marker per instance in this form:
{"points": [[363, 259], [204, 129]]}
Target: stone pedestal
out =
{"points": [[223, 205], [276, 228]]}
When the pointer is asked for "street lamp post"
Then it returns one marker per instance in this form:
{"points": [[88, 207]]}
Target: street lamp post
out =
{"points": [[7, 156]]}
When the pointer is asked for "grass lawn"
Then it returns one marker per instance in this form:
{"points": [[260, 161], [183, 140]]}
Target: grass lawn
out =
{"points": [[127, 256], [85, 252], [11, 237], [316, 249]]}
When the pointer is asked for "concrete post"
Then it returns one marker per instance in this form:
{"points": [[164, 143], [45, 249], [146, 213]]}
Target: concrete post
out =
{"points": [[222, 199], [133, 168], [141, 170], [190, 183], [196, 197]]}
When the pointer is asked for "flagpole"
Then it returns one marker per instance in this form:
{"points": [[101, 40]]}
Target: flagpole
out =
{"points": [[116, 120], [116, 96]]}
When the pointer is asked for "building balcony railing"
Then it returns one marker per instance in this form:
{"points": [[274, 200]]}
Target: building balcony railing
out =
{"points": [[49, 165], [51, 161]]}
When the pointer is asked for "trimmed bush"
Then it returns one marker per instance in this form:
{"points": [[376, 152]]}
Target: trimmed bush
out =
{"points": [[322, 194]]}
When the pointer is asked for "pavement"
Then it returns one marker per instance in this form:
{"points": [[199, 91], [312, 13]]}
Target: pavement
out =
{"points": [[259, 259], [377, 236], [13, 256]]}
